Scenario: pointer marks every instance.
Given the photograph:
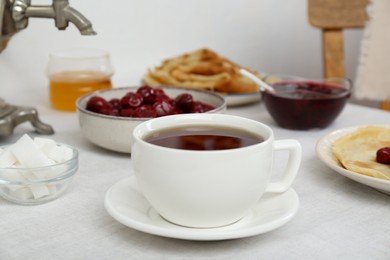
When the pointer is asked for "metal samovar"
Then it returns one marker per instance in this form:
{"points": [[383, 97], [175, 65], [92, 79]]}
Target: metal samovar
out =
{"points": [[14, 15]]}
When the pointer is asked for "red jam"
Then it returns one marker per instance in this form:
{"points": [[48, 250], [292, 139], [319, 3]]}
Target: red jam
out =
{"points": [[305, 104]]}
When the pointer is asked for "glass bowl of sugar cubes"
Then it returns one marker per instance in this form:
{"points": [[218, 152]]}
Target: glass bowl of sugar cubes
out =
{"points": [[36, 170]]}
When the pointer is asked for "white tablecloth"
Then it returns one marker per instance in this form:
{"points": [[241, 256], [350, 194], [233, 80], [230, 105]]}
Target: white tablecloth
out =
{"points": [[337, 219]]}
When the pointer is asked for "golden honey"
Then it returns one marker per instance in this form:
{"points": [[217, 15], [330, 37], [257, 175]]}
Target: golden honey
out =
{"points": [[65, 87]]}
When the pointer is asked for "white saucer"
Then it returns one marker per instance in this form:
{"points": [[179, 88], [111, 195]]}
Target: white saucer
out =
{"points": [[125, 203]]}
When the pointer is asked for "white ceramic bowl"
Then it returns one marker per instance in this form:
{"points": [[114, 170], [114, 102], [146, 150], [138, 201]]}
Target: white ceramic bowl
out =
{"points": [[114, 132], [31, 186]]}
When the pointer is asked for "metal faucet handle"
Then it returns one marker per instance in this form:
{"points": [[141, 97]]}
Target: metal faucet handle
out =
{"points": [[60, 11], [11, 116]]}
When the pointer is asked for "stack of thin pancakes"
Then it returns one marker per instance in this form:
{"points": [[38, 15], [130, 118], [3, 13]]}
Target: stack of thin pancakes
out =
{"points": [[357, 151], [201, 69]]}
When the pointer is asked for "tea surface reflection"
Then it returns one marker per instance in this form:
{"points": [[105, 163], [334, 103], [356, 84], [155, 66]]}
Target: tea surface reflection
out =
{"points": [[203, 138]]}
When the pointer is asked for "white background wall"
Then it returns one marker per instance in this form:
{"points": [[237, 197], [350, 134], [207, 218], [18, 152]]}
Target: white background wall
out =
{"points": [[265, 35]]}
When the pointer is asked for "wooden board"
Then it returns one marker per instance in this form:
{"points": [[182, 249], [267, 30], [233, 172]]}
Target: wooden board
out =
{"points": [[337, 13], [332, 16], [333, 53]]}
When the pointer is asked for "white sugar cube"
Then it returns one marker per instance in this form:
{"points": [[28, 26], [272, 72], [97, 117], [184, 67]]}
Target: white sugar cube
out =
{"points": [[12, 175], [58, 170], [47, 146], [17, 164], [22, 193], [34, 153], [67, 153], [7, 159], [29, 175], [41, 142], [28, 154], [15, 187], [52, 188], [38, 161], [39, 190], [52, 150]]}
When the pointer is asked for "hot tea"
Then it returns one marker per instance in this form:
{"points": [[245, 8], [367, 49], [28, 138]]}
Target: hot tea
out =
{"points": [[203, 138]]}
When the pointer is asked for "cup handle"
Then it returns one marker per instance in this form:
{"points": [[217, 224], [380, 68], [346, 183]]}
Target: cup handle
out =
{"points": [[293, 163]]}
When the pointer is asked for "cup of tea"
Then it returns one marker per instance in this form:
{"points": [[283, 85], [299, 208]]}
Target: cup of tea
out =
{"points": [[208, 170], [76, 72]]}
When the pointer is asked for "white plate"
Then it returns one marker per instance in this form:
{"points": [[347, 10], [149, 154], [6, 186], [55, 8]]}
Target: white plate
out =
{"points": [[242, 99], [324, 152], [125, 203], [235, 99]]}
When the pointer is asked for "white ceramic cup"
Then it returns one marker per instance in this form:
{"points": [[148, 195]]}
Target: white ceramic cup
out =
{"points": [[205, 189]]}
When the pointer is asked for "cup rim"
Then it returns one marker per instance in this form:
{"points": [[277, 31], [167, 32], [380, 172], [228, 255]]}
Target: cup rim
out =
{"points": [[141, 130]]}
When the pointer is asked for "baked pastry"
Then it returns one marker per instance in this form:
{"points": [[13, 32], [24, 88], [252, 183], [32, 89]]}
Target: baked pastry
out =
{"points": [[202, 69], [357, 151]]}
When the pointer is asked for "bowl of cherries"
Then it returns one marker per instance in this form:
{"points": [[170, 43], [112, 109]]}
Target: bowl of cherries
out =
{"points": [[303, 104], [108, 117]]}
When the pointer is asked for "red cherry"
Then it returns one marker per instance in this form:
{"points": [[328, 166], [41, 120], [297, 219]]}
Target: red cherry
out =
{"points": [[140, 104], [176, 111], [106, 110], [126, 112], [383, 155], [159, 92], [162, 98], [131, 100], [197, 107], [207, 107], [97, 104], [124, 102], [163, 108], [144, 111], [184, 102], [115, 102], [114, 112], [147, 94]]}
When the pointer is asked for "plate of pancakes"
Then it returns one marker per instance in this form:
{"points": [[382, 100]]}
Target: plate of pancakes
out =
{"points": [[352, 152], [205, 69]]}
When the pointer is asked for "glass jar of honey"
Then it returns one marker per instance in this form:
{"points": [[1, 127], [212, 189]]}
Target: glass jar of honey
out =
{"points": [[75, 72]]}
